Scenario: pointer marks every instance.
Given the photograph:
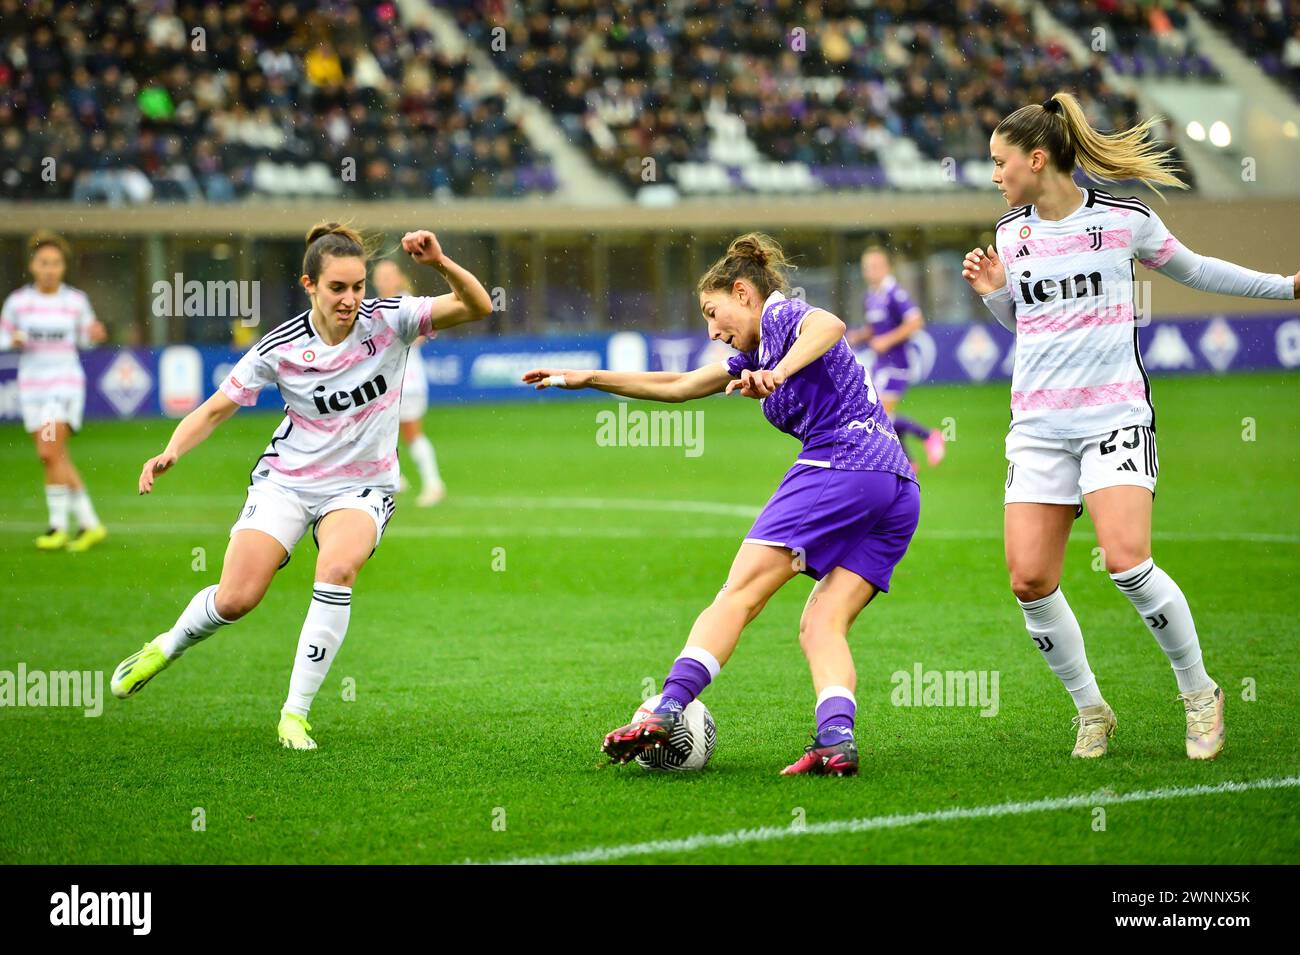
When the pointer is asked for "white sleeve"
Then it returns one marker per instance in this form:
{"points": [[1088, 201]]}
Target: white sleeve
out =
{"points": [[246, 380], [1156, 248], [84, 321], [415, 318], [1215, 275], [1003, 308]]}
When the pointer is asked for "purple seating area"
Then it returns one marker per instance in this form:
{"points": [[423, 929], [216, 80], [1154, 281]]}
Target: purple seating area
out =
{"points": [[1268, 31], [1139, 38], [836, 86]]}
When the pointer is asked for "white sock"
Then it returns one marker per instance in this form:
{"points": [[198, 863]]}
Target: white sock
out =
{"points": [[426, 462], [1056, 633], [198, 621], [322, 635], [87, 519], [1164, 610], [56, 501]]}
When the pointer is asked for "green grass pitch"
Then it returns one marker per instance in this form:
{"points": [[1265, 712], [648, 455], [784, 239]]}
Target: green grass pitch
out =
{"points": [[481, 693]]}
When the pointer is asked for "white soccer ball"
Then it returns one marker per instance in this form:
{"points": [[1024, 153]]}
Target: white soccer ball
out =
{"points": [[691, 745]]}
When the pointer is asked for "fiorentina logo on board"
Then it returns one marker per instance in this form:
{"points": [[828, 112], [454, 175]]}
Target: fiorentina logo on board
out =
{"points": [[978, 353], [1219, 344], [125, 383]]}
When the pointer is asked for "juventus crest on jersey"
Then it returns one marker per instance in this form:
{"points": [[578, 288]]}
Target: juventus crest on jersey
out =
{"points": [[340, 401], [1078, 370]]}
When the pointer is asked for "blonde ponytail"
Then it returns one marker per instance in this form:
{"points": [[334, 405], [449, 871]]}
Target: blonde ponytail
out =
{"points": [[1060, 127]]}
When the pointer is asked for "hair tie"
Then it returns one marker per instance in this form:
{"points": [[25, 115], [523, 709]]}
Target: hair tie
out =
{"points": [[1052, 106]]}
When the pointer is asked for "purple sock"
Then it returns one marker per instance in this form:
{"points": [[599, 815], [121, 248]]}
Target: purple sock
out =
{"points": [[835, 716], [686, 680], [908, 426]]}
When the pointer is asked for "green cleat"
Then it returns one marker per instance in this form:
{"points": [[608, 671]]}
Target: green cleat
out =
{"points": [[52, 540], [138, 669], [87, 539], [293, 731]]}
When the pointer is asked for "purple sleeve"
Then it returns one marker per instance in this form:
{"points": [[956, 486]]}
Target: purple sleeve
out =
{"points": [[740, 361], [781, 326], [900, 303]]}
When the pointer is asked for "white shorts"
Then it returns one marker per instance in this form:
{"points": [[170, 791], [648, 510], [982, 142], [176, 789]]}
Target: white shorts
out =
{"points": [[1063, 470], [286, 514], [415, 389], [41, 408]]}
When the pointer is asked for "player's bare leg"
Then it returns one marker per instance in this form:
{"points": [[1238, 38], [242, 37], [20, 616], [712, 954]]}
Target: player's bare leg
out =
{"points": [[347, 538], [51, 448], [1122, 516], [252, 558], [756, 574], [1036, 535], [65, 493], [827, 617]]}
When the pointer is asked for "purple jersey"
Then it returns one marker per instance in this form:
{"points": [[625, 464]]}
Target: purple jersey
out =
{"points": [[828, 405], [884, 310]]}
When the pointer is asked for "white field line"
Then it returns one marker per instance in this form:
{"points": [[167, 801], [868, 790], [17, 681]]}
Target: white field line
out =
{"points": [[726, 840], [396, 530], [598, 531], [719, 508]]}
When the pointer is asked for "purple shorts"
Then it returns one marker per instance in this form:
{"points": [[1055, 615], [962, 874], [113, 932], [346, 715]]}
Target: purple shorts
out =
{"points": [[859, 520], [890, 380]]}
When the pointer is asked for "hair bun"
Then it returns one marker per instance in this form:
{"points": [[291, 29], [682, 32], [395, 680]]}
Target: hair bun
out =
{"points": [[322, 229], [749, 247]]}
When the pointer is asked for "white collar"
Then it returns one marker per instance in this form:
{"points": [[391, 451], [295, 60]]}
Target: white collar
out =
{"points": [[887, 283], [772, 299]]}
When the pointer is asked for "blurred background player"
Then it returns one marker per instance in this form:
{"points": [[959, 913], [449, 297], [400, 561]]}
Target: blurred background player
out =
{"points": [[891, 320], [391, 281], [47, 321], [1083, 425], [844, 514], [331, 465]]}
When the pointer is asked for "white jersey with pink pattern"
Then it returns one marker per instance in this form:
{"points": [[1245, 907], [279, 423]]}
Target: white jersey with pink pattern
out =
{"points": [[52, 328], [1078, 370], [340, 401]]}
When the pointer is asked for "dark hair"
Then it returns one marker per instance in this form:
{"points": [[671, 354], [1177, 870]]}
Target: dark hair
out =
{"points": [[41, 239], [755, 257], [331, 239], [1060, 127]]}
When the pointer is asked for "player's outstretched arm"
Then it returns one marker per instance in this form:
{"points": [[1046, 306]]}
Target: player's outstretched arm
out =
{"points": [[468, 301], [1209, 274], [192, 431], [670, 386]]}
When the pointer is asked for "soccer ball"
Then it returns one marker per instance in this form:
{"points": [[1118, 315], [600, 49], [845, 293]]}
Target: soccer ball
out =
{"points": [[691, 745]]}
